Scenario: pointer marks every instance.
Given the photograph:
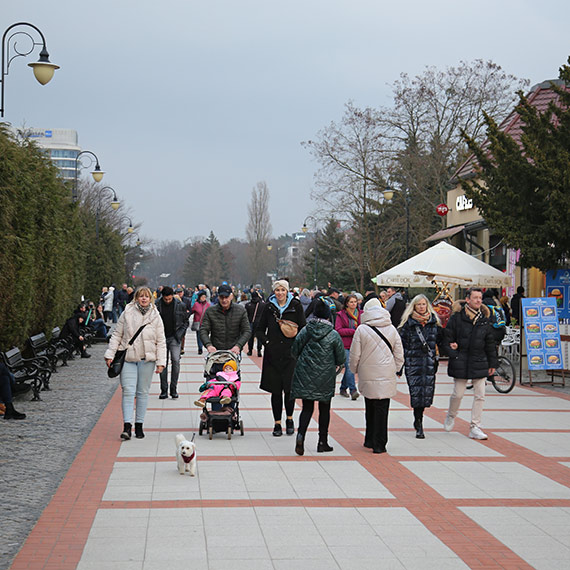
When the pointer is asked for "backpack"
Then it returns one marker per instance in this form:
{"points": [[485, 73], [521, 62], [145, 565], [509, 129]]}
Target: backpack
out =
{"points": [[497, 318], [332, 306]]}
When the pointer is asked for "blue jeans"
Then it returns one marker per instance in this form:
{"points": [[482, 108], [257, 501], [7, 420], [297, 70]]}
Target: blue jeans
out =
{"points": [[199, 341], [347, 382], [172, 354], [136, 378]]}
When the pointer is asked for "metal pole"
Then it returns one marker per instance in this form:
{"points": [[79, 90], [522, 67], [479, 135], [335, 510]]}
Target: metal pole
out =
{"points": [[407, 226], [316, 256]]}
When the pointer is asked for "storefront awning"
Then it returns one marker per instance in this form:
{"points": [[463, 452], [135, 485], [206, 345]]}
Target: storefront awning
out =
{"points": [[445, 233]]}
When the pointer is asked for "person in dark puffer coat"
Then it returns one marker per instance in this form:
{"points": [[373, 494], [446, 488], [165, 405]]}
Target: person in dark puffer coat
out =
{"points": [[319, 350], [420, 355]]}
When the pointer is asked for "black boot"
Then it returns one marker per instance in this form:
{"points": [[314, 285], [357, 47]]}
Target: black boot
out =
{"points": [[277, 430], [323, 446], [418, 426], [12, 414], [289, 427], [139, 434], [300, 444], [126, 435]]}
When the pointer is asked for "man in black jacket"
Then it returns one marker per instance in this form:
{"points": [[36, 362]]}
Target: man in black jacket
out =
{"points": [[254, 309], [225, 325], [175, 320], [470, 344]]}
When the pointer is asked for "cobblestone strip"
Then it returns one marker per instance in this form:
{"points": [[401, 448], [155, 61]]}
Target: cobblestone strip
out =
{"points": [[36, 453]]}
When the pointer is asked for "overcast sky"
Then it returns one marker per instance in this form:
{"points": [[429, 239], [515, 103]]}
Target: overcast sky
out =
{"points": [[189, 104]]}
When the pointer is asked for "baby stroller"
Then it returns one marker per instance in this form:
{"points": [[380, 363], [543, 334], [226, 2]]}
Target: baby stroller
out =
{"points": [[220, 418]]}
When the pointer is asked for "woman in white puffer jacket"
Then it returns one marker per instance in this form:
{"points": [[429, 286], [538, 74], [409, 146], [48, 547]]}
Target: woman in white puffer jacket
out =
{"points": [[147, 352], [377, 366]]}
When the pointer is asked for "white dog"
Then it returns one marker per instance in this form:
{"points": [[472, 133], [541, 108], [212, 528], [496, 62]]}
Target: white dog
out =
{"points": [[185, 455]]}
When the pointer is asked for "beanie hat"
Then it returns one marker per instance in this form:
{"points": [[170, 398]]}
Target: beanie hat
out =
{"points": [[322, 310], [281, 283], [231, 363]]}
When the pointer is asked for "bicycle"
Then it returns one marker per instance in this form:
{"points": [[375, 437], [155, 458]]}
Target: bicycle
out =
{"points": [[505, 376]]}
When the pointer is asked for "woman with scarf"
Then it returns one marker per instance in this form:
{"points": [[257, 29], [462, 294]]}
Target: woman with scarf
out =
{"points": [[146, 355], [346, 322], [421, 331], [198, 310], [278, 363]]}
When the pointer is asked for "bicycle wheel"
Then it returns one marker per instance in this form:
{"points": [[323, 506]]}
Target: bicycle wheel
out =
{"points": [[505, 376]]}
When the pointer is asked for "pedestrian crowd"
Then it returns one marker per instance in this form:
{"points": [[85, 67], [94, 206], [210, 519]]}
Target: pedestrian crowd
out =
{"points": [[306, 340]]}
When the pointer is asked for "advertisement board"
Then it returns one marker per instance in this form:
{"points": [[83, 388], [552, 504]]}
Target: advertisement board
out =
{"points": [[540, 320], [558, 287]]}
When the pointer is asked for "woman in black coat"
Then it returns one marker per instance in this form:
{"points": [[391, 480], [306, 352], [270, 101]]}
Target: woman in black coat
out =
{"points": [[421, 332], [278, 363]]}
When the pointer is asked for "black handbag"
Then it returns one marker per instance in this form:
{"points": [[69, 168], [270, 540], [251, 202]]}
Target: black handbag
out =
{"points": [[117, 365]]}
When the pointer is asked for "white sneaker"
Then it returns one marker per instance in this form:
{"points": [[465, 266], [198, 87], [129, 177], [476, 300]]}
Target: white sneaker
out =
{"points": [[448, 423], [477, 433]]}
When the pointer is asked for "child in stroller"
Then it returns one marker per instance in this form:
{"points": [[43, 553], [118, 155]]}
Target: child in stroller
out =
{"points": [[221, 392], [225, 385]]}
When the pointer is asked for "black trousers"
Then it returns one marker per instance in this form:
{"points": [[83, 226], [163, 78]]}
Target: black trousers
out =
{"points": [[251, 340], [324, 418], [277, 404], [376, 422]]}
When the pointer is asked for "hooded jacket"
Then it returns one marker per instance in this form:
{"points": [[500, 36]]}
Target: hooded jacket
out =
{"points": [[150, 344], [319, 350], [476, 351], [370, 356]]}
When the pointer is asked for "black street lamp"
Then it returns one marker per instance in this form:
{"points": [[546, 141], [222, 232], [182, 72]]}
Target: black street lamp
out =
{"points": [[114, 204], [43, 69], [269, 248], [305, 229], [388, 195], [97, 173]]}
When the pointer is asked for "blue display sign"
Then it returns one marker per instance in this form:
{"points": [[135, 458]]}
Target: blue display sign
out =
{"points": [[558, 287], [540, 320]]}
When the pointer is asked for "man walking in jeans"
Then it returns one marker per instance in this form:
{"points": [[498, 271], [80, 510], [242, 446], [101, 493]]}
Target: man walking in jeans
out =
{"points": [[470, 344], [175, 319]]}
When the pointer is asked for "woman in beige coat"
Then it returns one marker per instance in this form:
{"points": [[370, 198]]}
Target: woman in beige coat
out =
{"points": [[147, 352], [377, 356]]}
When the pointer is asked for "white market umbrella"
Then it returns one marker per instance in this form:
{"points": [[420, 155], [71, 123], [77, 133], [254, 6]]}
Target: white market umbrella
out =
{"points": [[446, 263]]}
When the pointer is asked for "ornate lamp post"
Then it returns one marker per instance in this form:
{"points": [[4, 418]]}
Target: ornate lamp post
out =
{"points": [[305, 229], [97, 173], [388, 195], [114, 204], [43, 69], [269, 248]]}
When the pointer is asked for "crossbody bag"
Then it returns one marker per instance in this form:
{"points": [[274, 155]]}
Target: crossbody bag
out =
{"points": [[117, 365]]}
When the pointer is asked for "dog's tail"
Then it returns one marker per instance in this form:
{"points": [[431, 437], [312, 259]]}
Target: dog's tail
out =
{"points": [[180, 438]]}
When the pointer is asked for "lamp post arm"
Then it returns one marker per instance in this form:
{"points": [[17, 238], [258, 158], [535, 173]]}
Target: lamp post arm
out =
{"points": [[6, 59], [76, 180]]}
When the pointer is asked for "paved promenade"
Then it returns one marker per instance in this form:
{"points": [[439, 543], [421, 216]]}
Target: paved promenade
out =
{"points": [[443, 502]]}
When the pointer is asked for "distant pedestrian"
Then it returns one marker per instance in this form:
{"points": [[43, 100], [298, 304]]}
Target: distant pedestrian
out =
{"points": [[319, 350], [7, 385], [376, 355], [198, 310], [421, 333], [254, 311], [516, 304], [347, 321], [145, 355], [395, 305]]}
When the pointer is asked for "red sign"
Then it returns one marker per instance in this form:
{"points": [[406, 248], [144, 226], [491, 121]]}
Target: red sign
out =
{"points": [[442, 209]]}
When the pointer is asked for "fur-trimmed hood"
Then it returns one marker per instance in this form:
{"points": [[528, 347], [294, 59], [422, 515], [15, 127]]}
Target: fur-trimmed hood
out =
{"points": [[458, 305]]}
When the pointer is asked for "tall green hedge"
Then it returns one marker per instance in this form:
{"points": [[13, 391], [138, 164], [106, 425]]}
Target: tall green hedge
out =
{"points": [[46, 245]]}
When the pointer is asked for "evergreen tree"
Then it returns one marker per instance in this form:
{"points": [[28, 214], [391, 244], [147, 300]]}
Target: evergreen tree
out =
{"points": [[522, 190], [213, 270]]}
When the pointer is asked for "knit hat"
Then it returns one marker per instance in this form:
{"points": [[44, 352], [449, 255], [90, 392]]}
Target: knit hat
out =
{"points": [[281, 283], [322, 310], [231, 363]]}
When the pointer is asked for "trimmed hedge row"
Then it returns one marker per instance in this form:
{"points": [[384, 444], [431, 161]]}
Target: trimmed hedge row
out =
{"points": [[48, 253]]}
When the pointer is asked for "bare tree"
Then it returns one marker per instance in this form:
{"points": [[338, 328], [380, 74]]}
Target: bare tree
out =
{"points": [[258, 230]]}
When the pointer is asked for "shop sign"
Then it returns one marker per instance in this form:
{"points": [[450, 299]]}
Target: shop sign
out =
{"points": [[462, 203], [442, 209]]}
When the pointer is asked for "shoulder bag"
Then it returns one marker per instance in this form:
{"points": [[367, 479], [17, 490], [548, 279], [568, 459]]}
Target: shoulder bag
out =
{"points": [[387, 342], [117, 365], [288, 328], [427, 349]]}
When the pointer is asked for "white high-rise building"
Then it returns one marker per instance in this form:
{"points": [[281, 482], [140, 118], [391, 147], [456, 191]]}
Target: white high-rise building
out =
{"points": [[60, 145]]}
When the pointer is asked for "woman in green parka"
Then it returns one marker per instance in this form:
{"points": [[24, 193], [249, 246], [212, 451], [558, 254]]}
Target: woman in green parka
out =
{"points": [[318, 349]]}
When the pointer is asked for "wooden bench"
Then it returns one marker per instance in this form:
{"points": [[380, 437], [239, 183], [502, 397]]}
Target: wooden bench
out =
{"points": [[40, 347], [28, 371]]}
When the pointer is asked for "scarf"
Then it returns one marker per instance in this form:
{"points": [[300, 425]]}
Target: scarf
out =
{"points": [[472, 314], [422, 319], [354, 317], [143, 310], [273, 300]]}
